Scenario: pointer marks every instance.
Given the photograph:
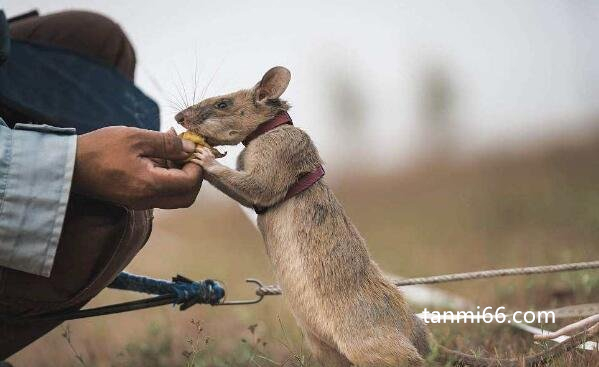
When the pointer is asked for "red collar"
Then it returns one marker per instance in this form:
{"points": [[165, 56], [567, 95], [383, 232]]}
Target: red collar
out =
{"points": [[281, 118]]}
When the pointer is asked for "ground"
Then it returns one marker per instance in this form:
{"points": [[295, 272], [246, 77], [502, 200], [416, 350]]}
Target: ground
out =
{"points": [[523, 209]]}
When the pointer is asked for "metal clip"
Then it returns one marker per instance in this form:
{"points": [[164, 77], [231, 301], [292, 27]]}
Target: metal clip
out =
{"points": [[245, 302]]}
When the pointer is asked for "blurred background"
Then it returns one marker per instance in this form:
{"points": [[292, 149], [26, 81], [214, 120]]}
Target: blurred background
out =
{"points": [[459, 136]]}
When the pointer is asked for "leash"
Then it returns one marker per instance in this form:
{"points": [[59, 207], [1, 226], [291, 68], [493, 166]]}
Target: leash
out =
{"points": [[180, 291]]}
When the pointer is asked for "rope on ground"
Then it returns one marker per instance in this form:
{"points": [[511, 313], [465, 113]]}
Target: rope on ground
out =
{"points": [[273, 290]]}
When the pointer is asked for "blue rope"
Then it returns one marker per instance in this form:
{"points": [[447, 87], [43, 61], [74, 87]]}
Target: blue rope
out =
{"points": [[181, 291], [186, 292]]}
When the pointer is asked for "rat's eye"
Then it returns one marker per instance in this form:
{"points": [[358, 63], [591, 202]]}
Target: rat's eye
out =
{"points": [[221, 105]]}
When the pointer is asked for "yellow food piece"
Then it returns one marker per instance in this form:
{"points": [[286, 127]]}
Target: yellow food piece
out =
{"points": [[196, 138], [199, 140]]}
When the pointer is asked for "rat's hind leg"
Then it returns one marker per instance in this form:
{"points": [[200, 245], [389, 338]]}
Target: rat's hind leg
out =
{"points": [[324, 354], [391, 350]]}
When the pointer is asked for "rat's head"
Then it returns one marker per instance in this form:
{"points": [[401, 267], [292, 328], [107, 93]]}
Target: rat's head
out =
{"points": [[229, 119]]}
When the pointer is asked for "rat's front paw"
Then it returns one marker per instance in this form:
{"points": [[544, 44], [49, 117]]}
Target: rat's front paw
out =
{"points": [[204, 157]]}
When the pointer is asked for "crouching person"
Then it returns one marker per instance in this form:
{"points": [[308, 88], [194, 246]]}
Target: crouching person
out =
{"points": [[76, 193]]}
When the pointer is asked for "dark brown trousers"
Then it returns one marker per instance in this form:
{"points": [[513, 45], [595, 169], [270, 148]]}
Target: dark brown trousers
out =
{"points": [[98, 239]]}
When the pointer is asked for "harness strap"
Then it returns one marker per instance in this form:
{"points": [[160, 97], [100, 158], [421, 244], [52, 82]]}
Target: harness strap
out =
{"points": [[302, 184], [305, 181]]}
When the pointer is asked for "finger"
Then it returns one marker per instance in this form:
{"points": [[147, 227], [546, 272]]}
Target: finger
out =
{"points": [[176, 181], [166, 202], [159, 162], [174, 202], [164, 145], [172, 164], [173, 132], [193, 170]]}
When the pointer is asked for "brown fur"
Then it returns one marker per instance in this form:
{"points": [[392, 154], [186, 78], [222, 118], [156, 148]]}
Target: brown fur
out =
{"points": [[349, 312]]}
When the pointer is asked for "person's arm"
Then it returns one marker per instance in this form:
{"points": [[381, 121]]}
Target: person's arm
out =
{"points": [[116, 164], [36, 168]]}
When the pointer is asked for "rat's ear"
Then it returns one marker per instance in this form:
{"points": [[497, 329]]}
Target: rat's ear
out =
{"points": [[273, 84]]}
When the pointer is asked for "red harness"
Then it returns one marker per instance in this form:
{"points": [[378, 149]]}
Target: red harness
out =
{"points": [[306, 180]]}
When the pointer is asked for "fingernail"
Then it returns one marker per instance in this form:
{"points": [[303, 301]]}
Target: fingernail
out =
{"points": [[189, 146]]}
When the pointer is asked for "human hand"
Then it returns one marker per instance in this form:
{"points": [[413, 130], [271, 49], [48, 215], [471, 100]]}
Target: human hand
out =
{"points": [[127, 166]]}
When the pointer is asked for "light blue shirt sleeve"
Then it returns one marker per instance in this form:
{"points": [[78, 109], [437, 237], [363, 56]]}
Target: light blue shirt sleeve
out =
{"points": [[36, 169]]}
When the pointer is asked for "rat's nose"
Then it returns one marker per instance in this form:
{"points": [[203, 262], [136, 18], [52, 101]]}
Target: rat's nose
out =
{"points": [[179, 117]]}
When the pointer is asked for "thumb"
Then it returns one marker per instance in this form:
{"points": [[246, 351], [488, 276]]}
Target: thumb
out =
{"points": [[166, 146]]}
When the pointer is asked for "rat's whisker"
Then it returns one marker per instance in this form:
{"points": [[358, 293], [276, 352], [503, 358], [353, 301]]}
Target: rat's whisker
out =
{"points": [[174, 104], [178, 88], [185, 99], [173, 108], [212, 78], [173, 101], [195, 80], [166, 96], [180, 97]]}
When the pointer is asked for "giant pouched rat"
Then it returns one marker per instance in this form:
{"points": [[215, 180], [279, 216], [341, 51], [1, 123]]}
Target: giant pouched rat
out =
{"points": [[349, 312], [347, 309]]}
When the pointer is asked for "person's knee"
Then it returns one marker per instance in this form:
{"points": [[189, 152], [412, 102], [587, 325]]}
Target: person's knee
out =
{"points": [[111, 44], [92, 34]]}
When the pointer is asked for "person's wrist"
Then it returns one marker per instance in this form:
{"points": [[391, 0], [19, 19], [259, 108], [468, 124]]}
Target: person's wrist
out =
{"points": [[77, 185], [91, 170]]}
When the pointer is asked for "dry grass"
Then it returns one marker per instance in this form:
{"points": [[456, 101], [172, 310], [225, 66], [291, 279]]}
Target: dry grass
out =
{"points": [[521, 210]]}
